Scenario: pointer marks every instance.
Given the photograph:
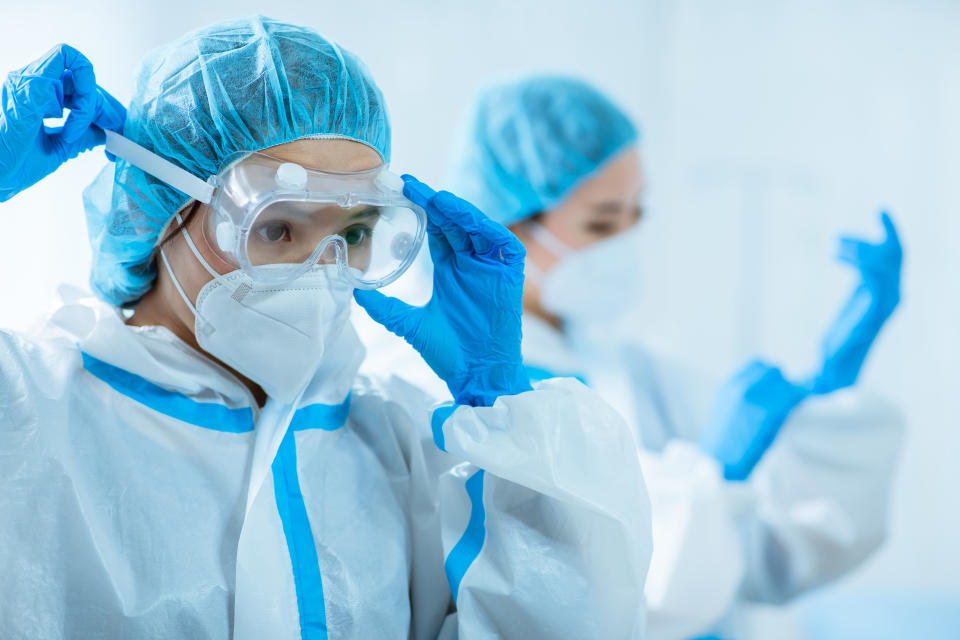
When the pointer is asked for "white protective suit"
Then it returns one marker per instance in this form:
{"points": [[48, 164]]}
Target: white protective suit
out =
{"points": [[814, 508], [124, 461]]}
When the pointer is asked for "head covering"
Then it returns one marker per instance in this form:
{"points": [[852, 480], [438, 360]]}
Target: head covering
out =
{"points": [[241, 85], [530, 142]]}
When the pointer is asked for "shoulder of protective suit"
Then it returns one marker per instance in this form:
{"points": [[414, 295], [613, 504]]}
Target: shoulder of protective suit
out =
{"points": [[33, 372], [391, 415], [394, 392]]}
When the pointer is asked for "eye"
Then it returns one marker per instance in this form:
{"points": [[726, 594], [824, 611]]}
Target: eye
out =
{"points": [[274, 231], [602, 229], [357, 234]]}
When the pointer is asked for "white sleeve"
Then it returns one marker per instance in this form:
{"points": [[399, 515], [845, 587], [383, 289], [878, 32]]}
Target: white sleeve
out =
{"points": [[546, 530], [822, 494], [814, 508], [696, 572]]}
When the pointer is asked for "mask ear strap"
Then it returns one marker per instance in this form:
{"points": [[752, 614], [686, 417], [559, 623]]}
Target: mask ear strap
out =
{"points": [[202, 325], [158, 167], [176, 282], [532, 272], [550, 242], [193, 247]]}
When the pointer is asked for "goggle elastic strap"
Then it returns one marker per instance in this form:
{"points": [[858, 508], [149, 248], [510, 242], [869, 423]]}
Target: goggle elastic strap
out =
{"points": [[158, 167]]}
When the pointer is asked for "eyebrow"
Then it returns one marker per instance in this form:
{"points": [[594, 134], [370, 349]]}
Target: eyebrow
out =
{"points": [[607, 208], [367, 212]]}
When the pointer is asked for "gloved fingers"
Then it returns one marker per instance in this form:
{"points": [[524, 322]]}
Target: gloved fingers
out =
{"points": [[437, 242], [56, 61], [112, 116], [441, 232], [892, 240], [468, 229], [112, 113], [395, 315], [88, 104], [61, 73], [418, 192], [752, 371], [487, 237], [90, 138], [508, 247], [852, 250], [868, 257], [459, 222], [465, 227]]}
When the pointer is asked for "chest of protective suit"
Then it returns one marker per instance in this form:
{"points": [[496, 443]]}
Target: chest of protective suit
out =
{"points": [[124, 521]]}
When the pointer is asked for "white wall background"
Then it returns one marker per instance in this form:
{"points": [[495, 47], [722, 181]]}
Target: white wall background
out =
{"points": [[770, 127]]}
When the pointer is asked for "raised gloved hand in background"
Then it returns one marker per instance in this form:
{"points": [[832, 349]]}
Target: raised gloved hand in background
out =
{"points": [[849, 339], [748, 412]]}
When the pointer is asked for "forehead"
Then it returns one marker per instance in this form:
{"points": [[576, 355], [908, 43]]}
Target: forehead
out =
{"points": [[619, 179], [328, 154]]}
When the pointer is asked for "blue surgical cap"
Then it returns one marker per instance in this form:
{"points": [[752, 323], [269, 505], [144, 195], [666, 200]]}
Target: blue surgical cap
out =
{"points": [[530, 143], [241, 85]]}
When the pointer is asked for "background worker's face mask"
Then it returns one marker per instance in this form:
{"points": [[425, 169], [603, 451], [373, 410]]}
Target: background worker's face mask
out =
{"points": [[593, 283], [300, 240]]}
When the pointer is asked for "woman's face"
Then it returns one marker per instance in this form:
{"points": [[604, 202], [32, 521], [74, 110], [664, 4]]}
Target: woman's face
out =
{"points": [[603, 206], [326, 155]]}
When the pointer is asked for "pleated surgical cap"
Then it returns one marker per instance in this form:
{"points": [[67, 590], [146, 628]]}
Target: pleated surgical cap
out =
{"points": [[530, 143]]}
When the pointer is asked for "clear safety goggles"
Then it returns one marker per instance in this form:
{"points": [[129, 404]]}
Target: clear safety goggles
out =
{"points": [[264, 211]]}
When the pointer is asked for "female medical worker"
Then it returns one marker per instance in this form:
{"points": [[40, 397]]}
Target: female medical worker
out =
{"points": [[558, 162], [211, 465]]}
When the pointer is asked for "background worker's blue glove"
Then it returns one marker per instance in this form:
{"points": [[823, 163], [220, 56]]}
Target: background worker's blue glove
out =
{"points": [[61, 79], [849, 339], [747, 414], [469, 331]]}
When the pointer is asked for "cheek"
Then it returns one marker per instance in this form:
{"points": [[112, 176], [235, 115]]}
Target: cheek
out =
{"points": [[569, 225]]}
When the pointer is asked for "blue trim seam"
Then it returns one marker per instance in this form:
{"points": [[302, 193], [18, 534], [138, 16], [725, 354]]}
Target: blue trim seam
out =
{"points": [[327, 417], [539, 373], [304, 561], [471, 542], [308, 582], [440, 415], [208, 415]]}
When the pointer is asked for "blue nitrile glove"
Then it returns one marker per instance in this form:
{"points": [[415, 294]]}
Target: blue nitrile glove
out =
{"points": [[29, 150], [747, 414], [469, 331], [848, 341]]}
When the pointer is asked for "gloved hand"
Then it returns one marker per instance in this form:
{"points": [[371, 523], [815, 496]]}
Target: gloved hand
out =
{"points": [[747, 414], [849, 339], [29, 150], [469, 331]]}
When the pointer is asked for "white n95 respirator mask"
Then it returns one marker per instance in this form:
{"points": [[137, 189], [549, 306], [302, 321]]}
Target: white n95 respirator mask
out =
{"points": [[275, 335], [589, 284]]}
